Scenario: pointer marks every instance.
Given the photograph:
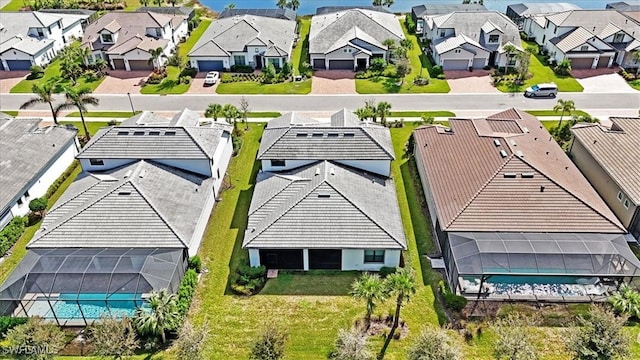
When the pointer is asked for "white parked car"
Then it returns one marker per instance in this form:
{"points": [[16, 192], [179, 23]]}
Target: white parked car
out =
{"points": [[211, 78]]}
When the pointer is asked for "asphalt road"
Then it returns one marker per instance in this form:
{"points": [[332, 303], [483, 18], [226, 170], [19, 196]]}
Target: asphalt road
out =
{"points": [[404, 102]]}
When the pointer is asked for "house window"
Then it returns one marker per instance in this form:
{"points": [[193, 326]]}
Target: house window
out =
{"points": [[239, 60], [158, 32], [626, 203], [217, 173], [512, 61], [494, 38], [96, 162], [618, 38], [19, 201], [26, 194], [275, 62], [620, 196], [441, 33], [277, 163], [584, 47], [107, 38], [374, 256], [40, 32]]}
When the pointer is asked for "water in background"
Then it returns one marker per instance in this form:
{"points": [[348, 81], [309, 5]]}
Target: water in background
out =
{"points": [[309, 6]]}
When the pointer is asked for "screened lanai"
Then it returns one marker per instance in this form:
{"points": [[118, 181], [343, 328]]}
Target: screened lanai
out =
{"points": [[539, 265], [75, 286]]}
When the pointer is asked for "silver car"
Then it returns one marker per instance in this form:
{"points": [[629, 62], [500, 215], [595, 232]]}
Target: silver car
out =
{"points": [[546, 90]]}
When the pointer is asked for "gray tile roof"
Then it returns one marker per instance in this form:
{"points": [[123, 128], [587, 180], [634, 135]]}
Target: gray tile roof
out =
{"points": [[328, 30], [624, 6], [233, 34], [440, 9], [454, 42], [14, 27], [170, 10], [471, 24], [324, 205], [339, 140], [27, 151], [595, 21], [617, 150], [143, 204], [526, 9], [573, 39], [333, 9], [286, 14]]}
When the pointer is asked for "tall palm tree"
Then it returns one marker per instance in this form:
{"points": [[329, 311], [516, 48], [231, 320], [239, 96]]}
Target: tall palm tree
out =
{"points": [[213, 111], [44, 94], [364, 113], [566, 106], [383, 110], [163, 315], [509, 49], [156, 55], [78, 99], [371, 288], [293, 4], [230, 114], [390, 44], [402, 283], [281, 4]]}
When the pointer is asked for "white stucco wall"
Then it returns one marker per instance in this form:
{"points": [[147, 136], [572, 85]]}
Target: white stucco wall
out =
{"points": [[181, 31], [221, 159], [200, 166], [201, 225], [74, 31], [108, 164], [353, 259], [382, 167], [289, 164]]}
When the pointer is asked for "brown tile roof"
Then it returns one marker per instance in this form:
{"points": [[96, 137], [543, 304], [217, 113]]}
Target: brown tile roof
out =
{"points": [[466, 168], [617, 150]]}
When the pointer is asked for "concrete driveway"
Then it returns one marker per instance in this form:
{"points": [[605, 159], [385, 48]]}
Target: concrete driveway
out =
{"points": [[333, 82], [122, 82], [611, 83], [198, 86], [9, 79]]}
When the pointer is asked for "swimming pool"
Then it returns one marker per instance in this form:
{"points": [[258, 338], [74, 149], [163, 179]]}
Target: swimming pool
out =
{"points": [[88, 306]]}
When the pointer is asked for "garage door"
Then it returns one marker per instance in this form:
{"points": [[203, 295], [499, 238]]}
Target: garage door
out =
{"points": [[581, 63], [455, 65], [281, 259], [118, 64], [479, 63], [318, 64], [340, 64], [140, 65], [603, 61], [210, 65], [19, 64], [325, 259]]}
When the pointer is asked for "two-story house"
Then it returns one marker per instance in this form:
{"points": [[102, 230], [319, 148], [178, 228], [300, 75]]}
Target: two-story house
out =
{"points": [[34, 38], [246, 37], [420, 12], [589, 39], [125, 39], [471, 40], [324, 198]]}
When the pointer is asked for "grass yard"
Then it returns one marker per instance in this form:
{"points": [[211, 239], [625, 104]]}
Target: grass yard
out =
{"points": [[417, 114], [327, 283], [92, 126], [263, 114], [169, 85], [14, 5], [186, 47], [252, 87], [541, 74], [300, 53], [52, 75], [103, 114], [420, 66], [635, 84], [553, 113], [10, 112]]}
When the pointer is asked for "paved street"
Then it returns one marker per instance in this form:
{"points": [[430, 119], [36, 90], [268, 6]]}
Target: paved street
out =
{"points": [[453, 102]]}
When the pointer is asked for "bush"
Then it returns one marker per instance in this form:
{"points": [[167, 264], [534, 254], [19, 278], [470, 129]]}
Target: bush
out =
{"points": [[185, 292], [249, 280], [386, 271], [11, 233], [242, 69], [377, 64], [189, 71], [8, 322], [269, 345], [451, 300], [237, 145], [421, 81], [441, 77], [487, 67], [155, 78], [56, 184], [38, 205], [195, 263], [185, 80], [436, 70], [37, 72]]}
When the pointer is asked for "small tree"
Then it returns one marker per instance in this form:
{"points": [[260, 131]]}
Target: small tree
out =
{"points": [[38, 206], [115, 338], [268, 73], [564, 106], [364, 113], [599, 336], [388, 3], [371, 289], [427, 119], [162, 317], [269, 345], [230, 114], [402, 69], [370, 104], [390, 44], [230, 6], [286, 70], [402, 284], [383, 110], [36, 339], [157, 55], [563, 67], [293, 4], [510, 50], [214, 111], [514, 338], [351, 345], [244, 110], [433, 344], [626, 301], [377, 64], [190, 343]]}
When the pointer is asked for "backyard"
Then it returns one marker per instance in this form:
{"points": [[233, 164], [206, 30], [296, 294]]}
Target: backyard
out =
{"points": [[541, 74], [52, 75], [16, 5], [420, 66]]}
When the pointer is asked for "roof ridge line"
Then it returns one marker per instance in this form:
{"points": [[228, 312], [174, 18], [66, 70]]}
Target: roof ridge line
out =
{"points": [[184, 128], [393, 156], [80, 193], [288, 128], [291, 182], [95, 140]]}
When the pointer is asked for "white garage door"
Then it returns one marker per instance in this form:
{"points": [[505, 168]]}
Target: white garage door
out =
{"points": [[451, 64]]}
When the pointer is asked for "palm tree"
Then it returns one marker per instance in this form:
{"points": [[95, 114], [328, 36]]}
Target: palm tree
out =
{"points": [[213, 111], [230, 6], [626, 301], [566, 106], [281, 4], [293, 4], [383, 110], [78, 99], [370, 288], [158, 2], [156, 55], [163, 315], [401, 283], [44, 94], [363, 113], [388, 3], [390, 44], [230, 113], [509, 49]]}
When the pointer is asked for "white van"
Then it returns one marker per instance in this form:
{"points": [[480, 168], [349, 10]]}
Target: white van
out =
{"points": [[547, 90]]}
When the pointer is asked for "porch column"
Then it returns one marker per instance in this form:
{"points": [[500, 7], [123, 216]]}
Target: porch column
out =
{"points": [[5, 65], [305, 259], [326, 63], [594, 64], [367, 62], [126, 65], [254, 257], [610, 64]]}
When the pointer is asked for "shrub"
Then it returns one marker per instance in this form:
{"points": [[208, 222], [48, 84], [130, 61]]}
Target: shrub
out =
{"points": [[36, 339], [189, 71], [38, 205], [37, 72], [11, 233], [185, 292], [421, 81], [242, 69], [441, 77], [7, 323], [377, 64], [185, 80], [56, 184], [410, 24], [487, 67], [237, 145], [155, 78], [269, 345], [433, 344], [386, 271], [249, 280], [195, 263], [451, 300], [436, 70]]}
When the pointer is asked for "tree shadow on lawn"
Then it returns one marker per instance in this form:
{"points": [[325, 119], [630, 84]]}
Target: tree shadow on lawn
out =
{"points": [[390, 84]]}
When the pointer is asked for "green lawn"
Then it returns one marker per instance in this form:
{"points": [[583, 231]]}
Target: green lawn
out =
{"points": [[263, 114], [301, 51], [635, 84], [92, 126], [103, 114], [52, 74], [417, 114], [420, 66], [194, 37], [541, 74], [169, 85], [327, 283], [252, 87], [10, 112], [553, 113]]}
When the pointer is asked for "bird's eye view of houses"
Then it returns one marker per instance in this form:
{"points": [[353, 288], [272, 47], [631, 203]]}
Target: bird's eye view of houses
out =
{"points": [[320, 179]]}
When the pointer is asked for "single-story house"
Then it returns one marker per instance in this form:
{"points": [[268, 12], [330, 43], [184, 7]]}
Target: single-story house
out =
{"points": [[512, 215], [588, 38], [34, 38], [125, 39], [521, 11], [349, 39], [603, 154], [126, 226], [33, 157], [471, 40], [419, 12], [340, 212], [245, 38]]}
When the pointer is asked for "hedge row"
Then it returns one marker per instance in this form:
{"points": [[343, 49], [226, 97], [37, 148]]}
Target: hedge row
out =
{"points": [[65, 175], [7, 323], [11, 233], [187, 289]]}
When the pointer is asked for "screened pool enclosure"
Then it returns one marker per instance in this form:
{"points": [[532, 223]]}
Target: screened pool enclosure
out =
{"points": [[75, 286]]}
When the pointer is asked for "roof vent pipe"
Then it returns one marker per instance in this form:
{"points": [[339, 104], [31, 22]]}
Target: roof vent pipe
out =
{"points": [[317, 171], [541, 188]]}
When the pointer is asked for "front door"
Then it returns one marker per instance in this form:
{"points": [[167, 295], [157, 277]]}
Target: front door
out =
{"points": [[258, 61], [362, 64]]}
